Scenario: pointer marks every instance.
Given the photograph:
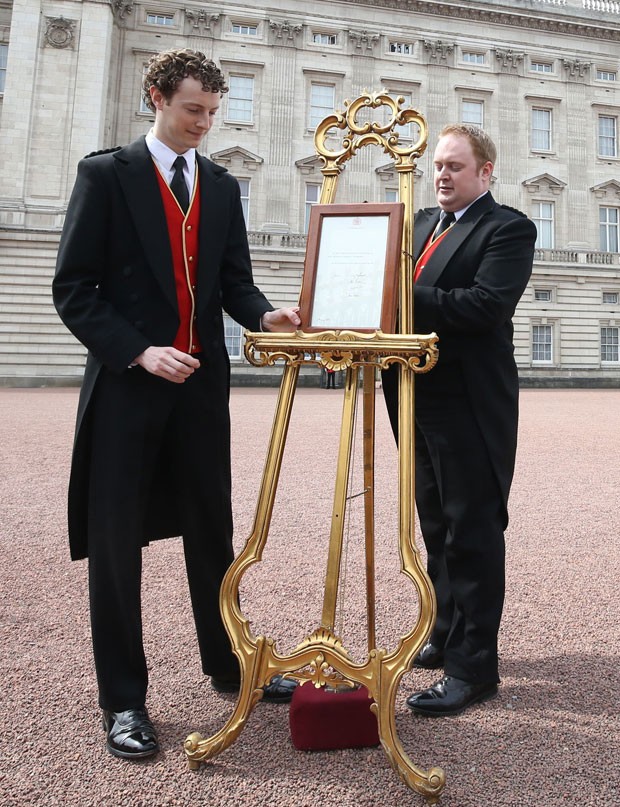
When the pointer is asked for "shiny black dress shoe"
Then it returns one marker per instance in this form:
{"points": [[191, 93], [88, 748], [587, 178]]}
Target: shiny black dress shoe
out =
{"points": [[429, 657], [278, 690], [450, 696], [130, 734]]}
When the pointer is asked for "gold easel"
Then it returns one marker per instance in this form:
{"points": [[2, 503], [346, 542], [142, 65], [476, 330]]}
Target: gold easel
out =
{"points": [[321, 657]]}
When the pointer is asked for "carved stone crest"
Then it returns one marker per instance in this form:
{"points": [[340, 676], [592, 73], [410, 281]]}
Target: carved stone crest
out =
{"points": [[59, 32], [201, 21]]}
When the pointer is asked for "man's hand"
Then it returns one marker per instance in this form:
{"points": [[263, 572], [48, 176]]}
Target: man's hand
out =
{"points": [[282, 319], [168, 363]]}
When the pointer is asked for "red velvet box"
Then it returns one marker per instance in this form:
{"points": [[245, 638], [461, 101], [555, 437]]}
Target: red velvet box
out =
{"points": [[322, 719]]}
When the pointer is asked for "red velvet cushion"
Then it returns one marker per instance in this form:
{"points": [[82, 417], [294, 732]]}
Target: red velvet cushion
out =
{"points": [[321, 719]]}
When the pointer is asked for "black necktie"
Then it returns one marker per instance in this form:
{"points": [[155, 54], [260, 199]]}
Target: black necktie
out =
{"points": [[178, 185], [443, 225]]}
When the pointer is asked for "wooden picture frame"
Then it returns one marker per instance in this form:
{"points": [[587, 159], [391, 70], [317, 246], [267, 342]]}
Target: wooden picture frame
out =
{"points": [[351, 270]]}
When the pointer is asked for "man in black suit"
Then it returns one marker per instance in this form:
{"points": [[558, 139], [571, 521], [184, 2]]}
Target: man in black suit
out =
{"points": [[154, 246], [473, 261]]}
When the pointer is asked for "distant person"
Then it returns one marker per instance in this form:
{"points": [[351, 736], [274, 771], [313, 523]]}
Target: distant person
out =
{"points": [[473, 261], [154, 246], [330, 379]]}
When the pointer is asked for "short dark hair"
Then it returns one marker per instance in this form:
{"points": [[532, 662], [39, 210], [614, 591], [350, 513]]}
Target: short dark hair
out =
{"points": [[166, 70], [481, 144]]}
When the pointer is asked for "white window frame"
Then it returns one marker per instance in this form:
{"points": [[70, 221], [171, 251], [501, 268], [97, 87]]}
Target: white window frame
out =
{"points": [[157, 18], [244, 29], [324, 38], [400, 48], [543, 216], [542, 348], [606, 75], [318, 111], [391, 195], [609, 344], [609, 228], [473, 102], [610, 298], [473, 57], [537, 66], [310, 189], [4, 53], [546, 133], [543, 295], [244, 189], [233, 338], [607, 140], [242, 110]]}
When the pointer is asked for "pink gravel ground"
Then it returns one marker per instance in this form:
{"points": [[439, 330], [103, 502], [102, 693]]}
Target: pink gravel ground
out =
{"points": [[552, 737]]}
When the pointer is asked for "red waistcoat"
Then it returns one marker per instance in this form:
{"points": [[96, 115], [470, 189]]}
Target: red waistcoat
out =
{"points": [[183, 234], [428, 250]]}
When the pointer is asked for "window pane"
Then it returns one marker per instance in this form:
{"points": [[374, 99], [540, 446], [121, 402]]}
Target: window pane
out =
{"points": [[244, 188], [4, 50], [472, 112], [240, 95], [610, 297], [391, 195], [321, 102], [473, 58], [247, 30], [609, 344], [541, 129], [541, 67], [542, 216], [543, 295], [608, 218], [606, 75], [159, 19], [541, 343], [405, 48], [312, 197], [232, 337], [607, 136]]}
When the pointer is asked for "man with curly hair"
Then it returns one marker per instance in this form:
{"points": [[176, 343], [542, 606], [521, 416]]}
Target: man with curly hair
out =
{"points": [[154, 246]]}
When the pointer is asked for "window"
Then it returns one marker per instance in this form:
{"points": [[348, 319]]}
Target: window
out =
{"points": [[4, 50], [391, 195], [610, 297], [244, 187], [609, 344], [471, 57], [543, 295], [541, 67], [325, 39], [607, 136], [160, 19], [541, 129], [322, 100], [542, 345], [232, 337], [404, 132], [246, 30], [240, 98], [312, 197], [608, 229], [606, 75], [542, 216], [404, 48], [472, 112]]}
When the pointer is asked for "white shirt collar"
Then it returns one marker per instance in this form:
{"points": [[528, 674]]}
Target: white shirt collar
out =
{"points": [[164, 156], [459, 213]]}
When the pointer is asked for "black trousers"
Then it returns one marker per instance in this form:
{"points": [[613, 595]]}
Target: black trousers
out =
{"points": [[142, 426], [462, 519]]}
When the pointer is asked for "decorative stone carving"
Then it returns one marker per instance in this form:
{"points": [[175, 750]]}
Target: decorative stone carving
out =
{"points": [[438, 50], [545, 184], [509, 60], [59, 32], [201, 21], [121, 8], [609, 190], [362, 40], [575, 68], [284, 33]]}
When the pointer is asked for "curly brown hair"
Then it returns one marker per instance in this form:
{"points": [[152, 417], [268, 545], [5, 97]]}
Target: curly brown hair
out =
{"points": [[166, 70]]}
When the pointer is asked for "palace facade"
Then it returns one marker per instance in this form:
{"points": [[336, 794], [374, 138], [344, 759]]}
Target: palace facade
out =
{"points": [[541, 76]]}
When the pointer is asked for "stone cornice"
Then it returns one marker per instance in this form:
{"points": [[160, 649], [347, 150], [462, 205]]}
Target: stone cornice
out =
{"points": [[553, 20]]}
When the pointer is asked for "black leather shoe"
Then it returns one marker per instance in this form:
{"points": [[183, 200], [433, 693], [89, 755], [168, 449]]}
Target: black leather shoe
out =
{"points": [[278, 690], [450, 696], [429, 657], [130, 734]]}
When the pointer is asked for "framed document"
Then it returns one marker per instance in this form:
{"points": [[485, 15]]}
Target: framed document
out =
{"points": [[351, 269]]}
